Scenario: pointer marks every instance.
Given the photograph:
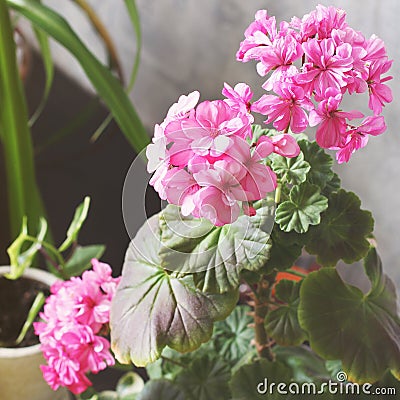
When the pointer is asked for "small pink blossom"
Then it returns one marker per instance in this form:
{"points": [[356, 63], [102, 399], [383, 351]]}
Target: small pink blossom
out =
{"points": [[238, 97], [287, 109], [258, 36], [183, 107], [213, 204], [280, 56], [285, 145], [330, 120], [357, 138], [379, 93], [327, 65]]}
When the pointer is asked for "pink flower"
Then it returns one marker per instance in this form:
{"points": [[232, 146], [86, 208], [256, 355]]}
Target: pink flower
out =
{"points": [[284, 50], [379, 93], [258, 36], [180, 187], [157, 179], [183, 107], [156, 152], [238, 97], [327, 65], [226, 176], [74, 314], [357, 138], [330, 120], [206, 133], [287, 109], [285, 145], [213, 204]]}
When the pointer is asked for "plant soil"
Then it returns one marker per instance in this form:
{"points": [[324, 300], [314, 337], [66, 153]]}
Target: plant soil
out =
{"points": [[16, 299]]}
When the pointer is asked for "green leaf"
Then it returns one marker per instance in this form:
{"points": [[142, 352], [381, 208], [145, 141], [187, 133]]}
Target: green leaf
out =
{"points": [[320, 162], [81, 258], [302, 210], [161, 389], [21, 259], [333, 367], [32, 314], [305, 365], [129, 386], [135, 20], [343, 231], [153, 309], [291, 170], [217, 255], [106, 85], [23, 194], [248, 383], [88, 394], [332, 186], [232, 337], [286, 248], [206, 378], [282, 323], [79, 218], [361, 330], [45, 52], [172, 362], [107, 395]]}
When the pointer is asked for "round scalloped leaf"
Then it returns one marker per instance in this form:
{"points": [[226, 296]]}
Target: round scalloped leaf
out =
{"points": [[343, 231], [251, 380], [161, 389], [321, 163], [291, 170], [153, 308], [302, 210], [286, 248], [232, 337], [361, 330], [282, 323], [206, 378], [216, 255]]}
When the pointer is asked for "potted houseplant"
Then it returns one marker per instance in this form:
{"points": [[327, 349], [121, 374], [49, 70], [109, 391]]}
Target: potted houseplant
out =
{"points": [[245, 202], [209, 300], [23, 292], [20, 375]]}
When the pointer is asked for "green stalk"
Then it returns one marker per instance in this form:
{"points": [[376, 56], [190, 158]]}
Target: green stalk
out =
{"points": [[23, 194]]}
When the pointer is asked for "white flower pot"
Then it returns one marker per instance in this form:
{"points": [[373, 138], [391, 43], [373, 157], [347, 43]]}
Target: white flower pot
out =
{"points": [[20, 375]]}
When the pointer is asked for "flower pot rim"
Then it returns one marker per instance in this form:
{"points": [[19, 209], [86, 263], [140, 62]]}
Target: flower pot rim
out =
{"points": [[38, 275]]}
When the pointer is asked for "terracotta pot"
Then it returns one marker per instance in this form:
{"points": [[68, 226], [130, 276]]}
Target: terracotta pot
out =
{"points": [[20, 375]]}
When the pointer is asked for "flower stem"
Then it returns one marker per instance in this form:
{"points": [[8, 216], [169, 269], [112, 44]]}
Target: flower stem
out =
{"points": [[261, 305]]}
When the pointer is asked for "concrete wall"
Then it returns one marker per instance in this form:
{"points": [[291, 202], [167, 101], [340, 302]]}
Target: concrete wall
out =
{"points": [[191, 44]]}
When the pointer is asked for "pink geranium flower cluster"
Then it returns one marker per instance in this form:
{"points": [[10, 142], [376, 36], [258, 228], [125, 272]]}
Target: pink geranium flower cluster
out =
{"points": [[203, 160], [75, 317], [332, 59]]}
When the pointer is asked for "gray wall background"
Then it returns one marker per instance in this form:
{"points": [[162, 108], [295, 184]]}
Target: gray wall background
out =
{"points": [[189, 44]]}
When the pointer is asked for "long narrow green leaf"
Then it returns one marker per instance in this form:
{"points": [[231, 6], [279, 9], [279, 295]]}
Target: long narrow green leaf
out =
{"points": [[33, 312], [135, 20], [48, 64], [23, 194], [104, 82]]}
